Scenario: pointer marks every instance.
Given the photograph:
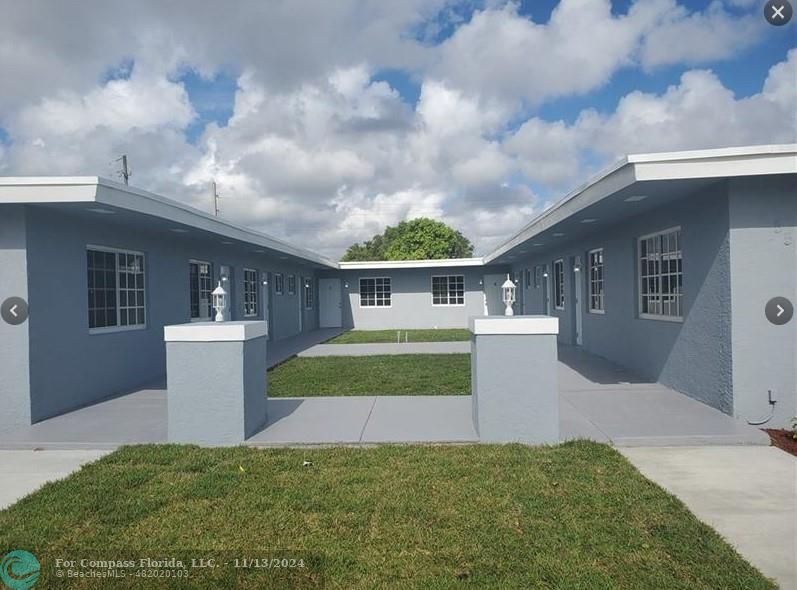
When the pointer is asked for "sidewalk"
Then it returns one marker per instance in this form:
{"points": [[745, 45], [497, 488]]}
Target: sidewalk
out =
{"points": [[748, 494], [387, 348], [25, 472]]}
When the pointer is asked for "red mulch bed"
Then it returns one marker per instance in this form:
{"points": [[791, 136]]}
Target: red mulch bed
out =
{"points": [[783, 439]]}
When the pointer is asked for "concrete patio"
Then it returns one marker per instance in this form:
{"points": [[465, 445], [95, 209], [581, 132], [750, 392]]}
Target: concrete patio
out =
{"points": [[598, 401]]}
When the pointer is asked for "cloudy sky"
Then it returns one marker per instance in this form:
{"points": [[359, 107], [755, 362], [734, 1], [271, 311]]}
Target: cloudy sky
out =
{"points": [[324, 121]]}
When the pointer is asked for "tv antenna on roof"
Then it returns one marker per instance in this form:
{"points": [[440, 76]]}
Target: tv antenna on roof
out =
{"points": [[125, 172], [215, 196]]}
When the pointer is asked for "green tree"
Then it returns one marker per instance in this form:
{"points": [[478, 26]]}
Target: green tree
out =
{"points": [[417, 239]]}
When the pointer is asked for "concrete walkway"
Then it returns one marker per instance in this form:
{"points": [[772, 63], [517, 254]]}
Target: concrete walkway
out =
{"points": [[368, 419], [748, 494], [25, 472], [598, 401], [387, 348]]}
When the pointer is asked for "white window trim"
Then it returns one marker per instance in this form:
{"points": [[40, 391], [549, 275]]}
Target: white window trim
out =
{"points": [[288, 286], [257, 293], [200, 318], [431, 286], [589, 282], [282, 276], [359, 291], [118, 328], [655, 316], [555, 282]]}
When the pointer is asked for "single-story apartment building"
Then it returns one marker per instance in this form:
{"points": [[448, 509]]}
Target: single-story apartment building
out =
{"points": [[663, 264]]}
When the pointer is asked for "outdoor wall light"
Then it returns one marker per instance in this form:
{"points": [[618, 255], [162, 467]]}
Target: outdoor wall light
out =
{"points": [[508, 290], [219, 302], [346, 284]]}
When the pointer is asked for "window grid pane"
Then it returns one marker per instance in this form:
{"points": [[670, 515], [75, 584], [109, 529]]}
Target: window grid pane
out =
{"points": [[251, 292], [375, 292], [115, 282], [661, 275], [559, 284], [200, 289], [448, 290], [596, 280]]}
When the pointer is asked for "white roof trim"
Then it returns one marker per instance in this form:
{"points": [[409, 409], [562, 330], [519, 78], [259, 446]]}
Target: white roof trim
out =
{"points": [[94, 189], [713, 163], [388, 264]]}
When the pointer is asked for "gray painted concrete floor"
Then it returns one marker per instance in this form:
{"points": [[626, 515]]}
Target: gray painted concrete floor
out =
{"points": [[598, 401], [387, 348], [368, 419], [748, 494], [25, 472]]}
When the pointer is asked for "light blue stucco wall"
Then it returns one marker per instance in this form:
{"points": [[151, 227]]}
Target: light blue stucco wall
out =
{"points": [[693, 356], [763, 247], [411, 299], [68, 366], [14, 341]]}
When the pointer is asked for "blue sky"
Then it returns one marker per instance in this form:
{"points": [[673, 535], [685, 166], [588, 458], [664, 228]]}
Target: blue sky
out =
{"points": [[352, 115], [213, 98]]}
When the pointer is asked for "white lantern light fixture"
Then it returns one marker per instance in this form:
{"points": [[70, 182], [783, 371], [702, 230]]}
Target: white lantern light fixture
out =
{"points": [[508, 290], [219, 302]]}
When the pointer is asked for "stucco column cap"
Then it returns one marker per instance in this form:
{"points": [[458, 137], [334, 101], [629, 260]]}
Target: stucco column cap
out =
{"points": [[215, 331], [518, 324]]}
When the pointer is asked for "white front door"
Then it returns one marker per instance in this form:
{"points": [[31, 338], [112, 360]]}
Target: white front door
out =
{"points": [[493, 298], [331, 303]]}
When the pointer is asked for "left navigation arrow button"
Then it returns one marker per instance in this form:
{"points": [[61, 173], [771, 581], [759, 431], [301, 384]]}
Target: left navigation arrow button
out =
{"points": [[14, 310]]}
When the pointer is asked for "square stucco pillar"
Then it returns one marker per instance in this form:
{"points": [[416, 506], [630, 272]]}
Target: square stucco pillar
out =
{"points": [[216, 381], [514, 383]]}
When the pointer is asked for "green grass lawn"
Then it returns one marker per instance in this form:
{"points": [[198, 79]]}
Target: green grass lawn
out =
{"points": [[383, 336], [401, 374], [575, 516]]}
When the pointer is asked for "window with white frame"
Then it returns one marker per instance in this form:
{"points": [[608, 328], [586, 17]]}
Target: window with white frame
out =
{"points": [[448, 290], [200, 286], [661, 275], [559, 284], [595, 281], [537, 276], [308, 294], [279, 283], [291, 284], [251, 291], [115, 288], [528, 277], [375, 292]]}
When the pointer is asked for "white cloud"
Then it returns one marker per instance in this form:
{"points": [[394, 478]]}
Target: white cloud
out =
{"points": [[699, 37], [318, 153]]}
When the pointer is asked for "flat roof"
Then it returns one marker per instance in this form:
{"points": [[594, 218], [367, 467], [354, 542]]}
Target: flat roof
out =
{"points": [[101, 192], [624, 174], [388, 264], [684, 165]]}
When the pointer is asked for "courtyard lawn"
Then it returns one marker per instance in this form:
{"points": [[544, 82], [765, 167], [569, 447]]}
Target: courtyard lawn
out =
{"points": [[477, 516], [401, 374], [387, 336]]}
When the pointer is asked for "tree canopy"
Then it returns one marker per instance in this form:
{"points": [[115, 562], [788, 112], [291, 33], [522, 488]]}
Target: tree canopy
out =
{"points": [[418, 239]]}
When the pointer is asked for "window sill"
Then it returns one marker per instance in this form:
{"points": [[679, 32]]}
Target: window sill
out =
{"points": [[661, 318], [448, 305], [115, 329], [375, 306], [597, 311]]}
